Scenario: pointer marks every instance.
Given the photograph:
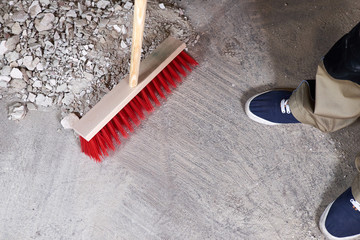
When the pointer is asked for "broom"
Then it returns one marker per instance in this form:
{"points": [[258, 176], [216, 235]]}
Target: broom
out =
{"points": [[125, 105]]}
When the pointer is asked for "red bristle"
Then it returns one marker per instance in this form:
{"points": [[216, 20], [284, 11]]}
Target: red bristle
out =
{"points": [[101, 143], [111, 128], [107, 138], [137, 108], [165, 73], [119, 127], [83, 144], [146, 100], [173, 73], [156, 83], [151, 93], [94, 150], [142, 104], [131, 115], [125, 120], [164, 83], [188, 58], [183, 62], [178, 67]]}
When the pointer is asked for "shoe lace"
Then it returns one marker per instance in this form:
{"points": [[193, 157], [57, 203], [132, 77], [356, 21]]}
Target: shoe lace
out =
{"points": [[284, 105]]}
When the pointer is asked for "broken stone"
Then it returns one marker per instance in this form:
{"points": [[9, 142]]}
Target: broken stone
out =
{"points": [[17, 111], [34, 9], [3, 84], [31, 106], [18, 84], [37, 84], [5, 78], [31, 97], [16, 29], [123, 44], [161, 6], [117, 28], [69, 121], [12, 56], [102, 4], [3, 48], [68, 98], [5, 71], [16, 73], [20, 16], [128, 5], [12, 42], [45, 2], [43, 100], [45, 23], [71, 13], [61, 88]]}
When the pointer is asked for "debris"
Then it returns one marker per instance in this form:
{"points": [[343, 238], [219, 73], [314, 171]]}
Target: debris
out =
{"points": [[161, 6], [20, 16], [17, 111], [45, 23], [16, 73], [16, 29], [69, 121], [70, 53], [34, 9]]}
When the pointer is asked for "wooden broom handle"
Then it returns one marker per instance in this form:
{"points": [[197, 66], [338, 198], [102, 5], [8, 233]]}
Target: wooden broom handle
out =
{"points": [[137, 37]]}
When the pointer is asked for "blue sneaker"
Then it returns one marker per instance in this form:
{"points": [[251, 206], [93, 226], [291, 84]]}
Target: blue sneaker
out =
{"points": [[341, 219], [270, 108]]}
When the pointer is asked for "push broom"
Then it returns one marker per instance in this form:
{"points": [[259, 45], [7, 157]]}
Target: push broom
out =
{"points": [[123, 108]]}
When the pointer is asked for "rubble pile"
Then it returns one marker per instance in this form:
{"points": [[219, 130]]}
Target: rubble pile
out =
{"points": [[68, 54]]}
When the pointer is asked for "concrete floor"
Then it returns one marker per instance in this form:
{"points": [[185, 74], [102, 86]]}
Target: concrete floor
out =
{"points": [[198, 168]]}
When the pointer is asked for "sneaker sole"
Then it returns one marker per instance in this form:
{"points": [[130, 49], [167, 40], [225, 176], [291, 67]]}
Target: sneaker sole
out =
{"points": [[325, 231], [253, 116]]}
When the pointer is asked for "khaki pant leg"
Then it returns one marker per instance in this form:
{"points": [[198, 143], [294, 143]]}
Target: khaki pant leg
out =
{"points": [[336, 106]]}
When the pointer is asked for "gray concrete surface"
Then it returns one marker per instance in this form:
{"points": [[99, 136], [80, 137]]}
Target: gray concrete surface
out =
{"points": [[198, 168]]}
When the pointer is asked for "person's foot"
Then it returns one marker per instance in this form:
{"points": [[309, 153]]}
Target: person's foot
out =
{"points": [[270, 108], [341, 218]]}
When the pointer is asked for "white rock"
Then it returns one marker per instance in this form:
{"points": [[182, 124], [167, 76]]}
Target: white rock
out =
{"points": [[20, 16], [37, 84], [102, 4], [88, 76], [5, 71], [69, 121], [71, 13], [3, 84], [117, 28], [128, 5], [39, 67], [45, 23], [34, 9], [1, 96], [3, 48], [45, 2], [31, 106], [52, 82], [43, 100], [123, 29], [16, 29], [123, 44], [61, 88], [162, 6], [16, 73], [31, 97], [17, 111], [5, 78], [27, 61], [68, 98], [12, 42], [12, 56], [18, 84]]}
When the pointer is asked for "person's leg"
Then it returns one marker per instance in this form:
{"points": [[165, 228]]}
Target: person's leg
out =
{"points": [[329, 103], [341, 218]]}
